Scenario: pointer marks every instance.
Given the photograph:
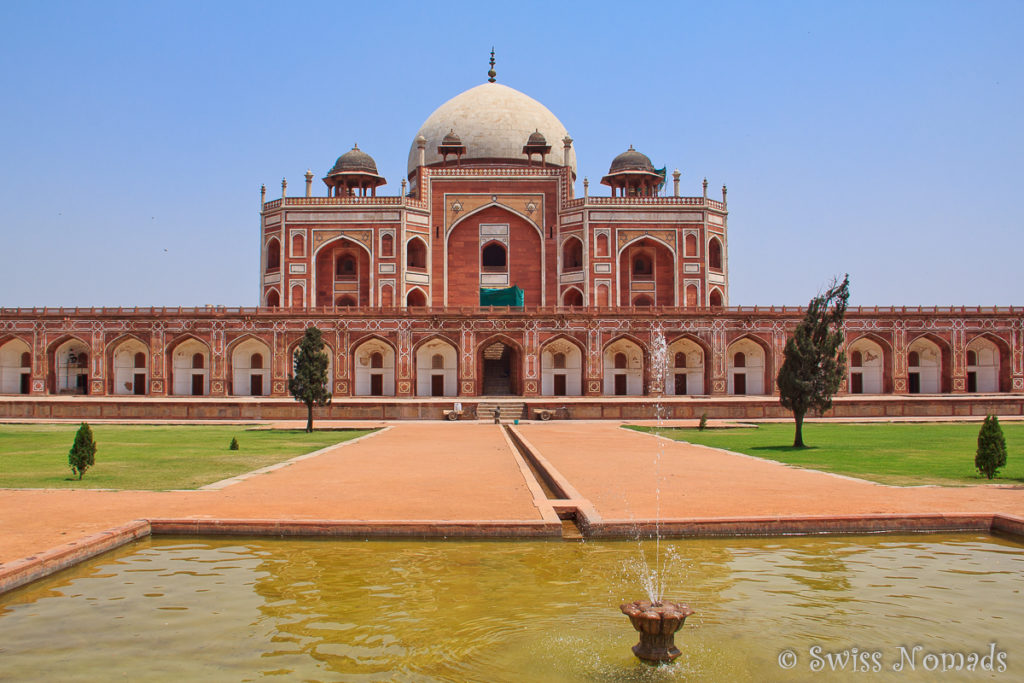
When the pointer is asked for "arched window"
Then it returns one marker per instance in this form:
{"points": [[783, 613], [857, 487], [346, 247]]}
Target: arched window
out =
{"points": [[572, 297], [437, 362], [602, 245], [572, 254], [856, 359], [913, 359], [346, 300], [972, 357], [691, 296], [642, 265], [416, 297], [602, 296], [387, 296], [140, 360], [416, 253], [715, 254], [691, 245], [680, 359], [298, 245], [273, 300], [26, 359], [620, 361], [494, 258], [715, 299], [387, 246], [345, 269], [273, 255], [296, 296], [376, 360], [198, 361], [559, 361], [643, 300], [256, 361], [739, 360]]}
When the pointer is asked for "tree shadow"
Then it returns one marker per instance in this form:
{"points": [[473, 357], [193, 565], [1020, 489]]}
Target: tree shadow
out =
{"points": [[784, 449]]}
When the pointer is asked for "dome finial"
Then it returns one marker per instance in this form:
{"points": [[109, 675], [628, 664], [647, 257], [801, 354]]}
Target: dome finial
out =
{"points": [[491, 73]]}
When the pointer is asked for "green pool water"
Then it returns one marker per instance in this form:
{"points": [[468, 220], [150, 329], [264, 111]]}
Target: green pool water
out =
{"points": [[259, 609]]}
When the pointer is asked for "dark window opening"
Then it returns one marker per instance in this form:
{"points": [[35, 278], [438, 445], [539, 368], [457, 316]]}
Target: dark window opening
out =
{"points": [[494, 258]]}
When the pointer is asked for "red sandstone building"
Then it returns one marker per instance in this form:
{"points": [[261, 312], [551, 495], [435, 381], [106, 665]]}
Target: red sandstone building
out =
{"points": [[611, 284]]}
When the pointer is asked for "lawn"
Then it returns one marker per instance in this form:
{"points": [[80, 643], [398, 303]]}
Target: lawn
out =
{"points": [[150, 457], [889, 453]]}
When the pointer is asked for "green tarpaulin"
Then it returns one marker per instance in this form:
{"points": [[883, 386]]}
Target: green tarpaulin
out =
{"points": [[508, 296]]}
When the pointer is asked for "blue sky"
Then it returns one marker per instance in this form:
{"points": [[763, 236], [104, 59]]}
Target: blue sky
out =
{"points": [[876, 138]]}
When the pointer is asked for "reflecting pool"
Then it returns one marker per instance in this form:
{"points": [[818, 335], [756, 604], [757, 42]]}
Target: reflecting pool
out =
{"points": [[247, 609]]}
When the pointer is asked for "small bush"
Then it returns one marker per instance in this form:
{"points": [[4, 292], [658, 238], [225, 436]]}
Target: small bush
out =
{"points": [[991, 453], [82, 455], [703, 422], [234, 444]]}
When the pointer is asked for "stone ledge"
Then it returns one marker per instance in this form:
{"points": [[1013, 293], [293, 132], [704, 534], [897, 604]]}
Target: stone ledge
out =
{"points": [[26, 570]]}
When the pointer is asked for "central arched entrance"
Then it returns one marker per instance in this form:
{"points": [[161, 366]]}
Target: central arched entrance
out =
{"points": [[499, 364]]}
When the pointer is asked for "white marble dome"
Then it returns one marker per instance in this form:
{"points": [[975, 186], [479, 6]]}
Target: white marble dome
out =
{"points": [[493, 121]]}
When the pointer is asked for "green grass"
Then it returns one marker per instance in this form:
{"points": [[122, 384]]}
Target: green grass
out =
{"points": [[889, 453], [149, 457]]}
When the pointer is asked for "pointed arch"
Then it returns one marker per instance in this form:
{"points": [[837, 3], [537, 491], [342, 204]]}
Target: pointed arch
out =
{"points": [[625, 378], [496, 205], [120, 357], [416, 253], [273, 254], [499, 375], [416, 297], [373, 376], [990, 376], [934, 374], [432, 380], [694, 378], [875, 377], [754, 375], [15, 373], [185, 378], [563, 378], [65, 377], [249, 377], [272, 298], [715, 298], [573, 296], [716, 251], [327, 287], [572, 254]]}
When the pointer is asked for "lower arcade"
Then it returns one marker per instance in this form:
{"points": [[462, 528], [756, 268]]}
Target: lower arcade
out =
{"points": [[480, 352]]}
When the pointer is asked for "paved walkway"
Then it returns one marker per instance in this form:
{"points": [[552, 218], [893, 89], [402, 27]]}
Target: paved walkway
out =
{"points": [[469, 472], [627, 475]]}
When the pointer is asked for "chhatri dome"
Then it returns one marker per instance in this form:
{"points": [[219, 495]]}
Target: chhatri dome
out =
{"points": [[493, 122]]}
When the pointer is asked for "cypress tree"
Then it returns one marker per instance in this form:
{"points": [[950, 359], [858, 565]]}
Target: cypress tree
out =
{"points": [[309, 382], [82, 455], [813, 366], [991, 454]]}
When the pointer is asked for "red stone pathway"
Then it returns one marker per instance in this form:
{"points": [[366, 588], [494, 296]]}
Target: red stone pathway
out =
{"points": [[467, 472]]}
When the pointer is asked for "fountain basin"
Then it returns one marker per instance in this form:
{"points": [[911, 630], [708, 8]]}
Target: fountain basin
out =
{"points": [[231, 609]]}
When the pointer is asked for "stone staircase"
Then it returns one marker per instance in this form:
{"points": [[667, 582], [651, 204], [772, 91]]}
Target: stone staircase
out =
{"points": [[510, 409]]}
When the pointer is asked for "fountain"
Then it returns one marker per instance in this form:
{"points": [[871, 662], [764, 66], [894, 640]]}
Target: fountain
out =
{"points": [[655, 619], [657, 623]]}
